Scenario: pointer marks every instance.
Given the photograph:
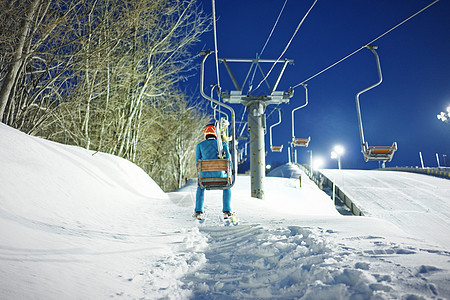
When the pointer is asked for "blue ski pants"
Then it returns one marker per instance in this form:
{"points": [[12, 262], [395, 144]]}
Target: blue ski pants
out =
{"points": [[200, 198]]}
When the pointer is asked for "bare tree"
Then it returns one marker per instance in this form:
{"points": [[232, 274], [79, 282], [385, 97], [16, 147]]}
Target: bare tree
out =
{"points": [[176, 141], [132, 62], [102, 74], [39, 46]]}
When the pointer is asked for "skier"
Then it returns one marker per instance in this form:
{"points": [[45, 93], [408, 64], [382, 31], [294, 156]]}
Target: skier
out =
{"points": [[209, 149]]}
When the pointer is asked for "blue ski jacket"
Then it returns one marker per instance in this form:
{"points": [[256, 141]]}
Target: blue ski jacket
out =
{"points": [[208, 150]]}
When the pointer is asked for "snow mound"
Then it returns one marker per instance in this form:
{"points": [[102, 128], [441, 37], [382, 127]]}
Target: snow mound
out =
{"points": [[74, 223], [288, 170]]}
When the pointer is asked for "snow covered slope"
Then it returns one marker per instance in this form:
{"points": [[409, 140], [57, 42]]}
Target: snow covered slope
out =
{"points": [[418, 204], [79, 226]]}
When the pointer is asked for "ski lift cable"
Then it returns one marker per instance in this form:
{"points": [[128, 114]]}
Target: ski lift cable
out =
{"points": [[268, 38], [273, 110], [273, 28], [369, 43], [289, 43], [215, 43]]}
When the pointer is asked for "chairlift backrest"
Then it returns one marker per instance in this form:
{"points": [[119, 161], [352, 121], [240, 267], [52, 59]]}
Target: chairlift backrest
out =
{"points": [[214, 165]]}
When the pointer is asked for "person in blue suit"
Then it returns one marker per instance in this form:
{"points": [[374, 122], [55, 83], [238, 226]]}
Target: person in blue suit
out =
{"points": [[208, 149]]}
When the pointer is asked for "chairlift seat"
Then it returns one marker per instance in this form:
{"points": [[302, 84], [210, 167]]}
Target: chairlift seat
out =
{"points": [[383, 153], [300, 142], [276, 148], [214, 165]]}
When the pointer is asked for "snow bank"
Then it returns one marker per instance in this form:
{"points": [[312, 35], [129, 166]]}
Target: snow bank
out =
{"points": [[77, 224]]}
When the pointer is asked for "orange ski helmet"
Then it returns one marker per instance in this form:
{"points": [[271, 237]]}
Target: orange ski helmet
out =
{"points": [[210, 130]]}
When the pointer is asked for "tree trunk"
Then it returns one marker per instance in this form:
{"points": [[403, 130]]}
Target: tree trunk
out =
{"points": [[10, 77]]}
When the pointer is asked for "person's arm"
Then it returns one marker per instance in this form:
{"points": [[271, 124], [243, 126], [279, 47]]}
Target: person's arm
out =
{"points": [[198, 154]]}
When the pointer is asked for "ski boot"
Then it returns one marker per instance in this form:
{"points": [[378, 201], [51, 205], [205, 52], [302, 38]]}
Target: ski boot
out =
{"points": [[198, 215]]}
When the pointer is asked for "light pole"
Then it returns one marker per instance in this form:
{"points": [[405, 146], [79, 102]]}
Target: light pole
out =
{"points": [[337, 153]]}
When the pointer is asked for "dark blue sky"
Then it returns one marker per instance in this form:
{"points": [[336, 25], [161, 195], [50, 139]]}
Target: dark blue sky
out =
{"points": [[414, 59]]}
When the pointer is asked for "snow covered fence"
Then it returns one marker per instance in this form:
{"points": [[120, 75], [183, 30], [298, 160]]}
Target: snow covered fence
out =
{"points": [[323, 181], [438, 172]]}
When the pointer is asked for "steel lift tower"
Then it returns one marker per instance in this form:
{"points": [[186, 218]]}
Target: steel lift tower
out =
{"points": [[256, 106]]}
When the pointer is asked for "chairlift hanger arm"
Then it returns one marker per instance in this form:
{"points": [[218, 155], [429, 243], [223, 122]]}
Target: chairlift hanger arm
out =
{"points": [[380, 75], [202, 72], [358, 108], [306, 103], [273, 125]]}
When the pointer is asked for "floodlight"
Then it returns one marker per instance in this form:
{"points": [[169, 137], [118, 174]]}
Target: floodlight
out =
{"points": [[339, 149], [337, 153], [444, 117], [318, 163]]}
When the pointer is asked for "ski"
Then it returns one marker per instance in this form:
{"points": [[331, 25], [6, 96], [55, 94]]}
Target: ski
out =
{"points": [[230, 220]]}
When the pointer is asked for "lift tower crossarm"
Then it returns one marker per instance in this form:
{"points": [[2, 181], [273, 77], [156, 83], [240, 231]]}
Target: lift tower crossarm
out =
{"points": [[237, 96], [236, 85], [256, 60]]}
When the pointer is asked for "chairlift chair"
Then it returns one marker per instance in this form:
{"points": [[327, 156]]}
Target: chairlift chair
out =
{"points": [[383, 153], [276, 148], [213, 165], [300, 142], [373, 153], [272, 147]]}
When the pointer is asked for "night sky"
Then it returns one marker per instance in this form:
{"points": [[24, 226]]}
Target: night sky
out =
{"points": [[414, 60]]}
